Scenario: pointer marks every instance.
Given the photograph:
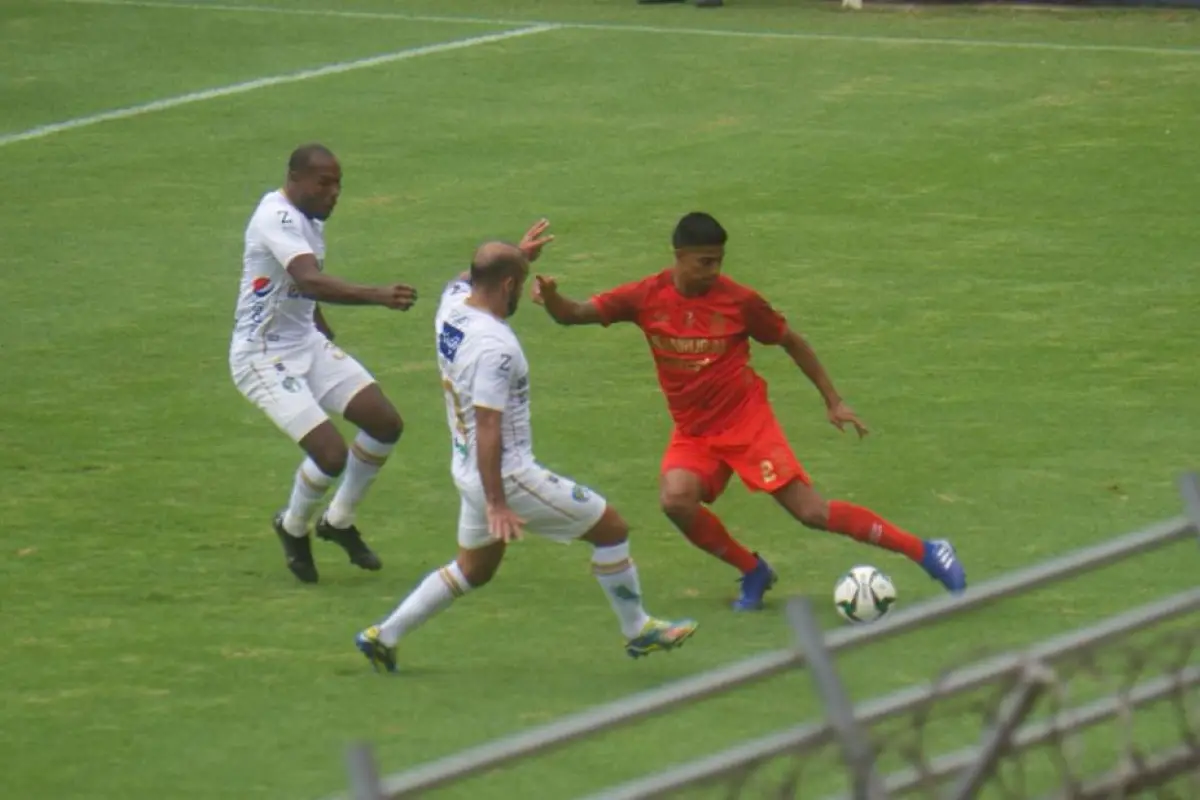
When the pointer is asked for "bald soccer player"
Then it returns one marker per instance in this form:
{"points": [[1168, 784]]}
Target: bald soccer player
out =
{"points": [[503, 489]]}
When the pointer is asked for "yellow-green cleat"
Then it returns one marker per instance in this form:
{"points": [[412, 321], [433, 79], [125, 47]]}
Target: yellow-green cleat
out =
{"points": [[660, 634], [378, 653]]}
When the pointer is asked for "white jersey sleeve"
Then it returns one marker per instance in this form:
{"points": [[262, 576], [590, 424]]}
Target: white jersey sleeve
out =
{"points": [[493, 375], [272, 314], [280, 233]]}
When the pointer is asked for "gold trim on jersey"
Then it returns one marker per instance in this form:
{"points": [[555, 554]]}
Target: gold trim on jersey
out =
{"points": [[545, 502]]}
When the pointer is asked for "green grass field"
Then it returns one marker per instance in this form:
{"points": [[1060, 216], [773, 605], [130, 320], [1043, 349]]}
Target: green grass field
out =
{"points": [[986, 226]]}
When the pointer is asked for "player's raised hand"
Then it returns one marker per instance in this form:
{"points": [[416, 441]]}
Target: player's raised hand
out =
{"points": [[503, 523], [533, 241], [841, 415], [398, 296], [543, 287]]}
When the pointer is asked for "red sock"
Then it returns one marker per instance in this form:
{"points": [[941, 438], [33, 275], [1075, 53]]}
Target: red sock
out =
{"points": [[710, 535], [866, 526]]}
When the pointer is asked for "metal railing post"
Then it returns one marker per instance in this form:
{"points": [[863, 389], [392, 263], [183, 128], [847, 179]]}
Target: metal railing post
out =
{"points": [[1013, 710], [856, 747], [364, 775]]}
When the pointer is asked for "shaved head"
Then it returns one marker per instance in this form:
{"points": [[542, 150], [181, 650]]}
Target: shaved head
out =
{"points": [[495, 261], [499, 269], [306, 156], [314, 180]]}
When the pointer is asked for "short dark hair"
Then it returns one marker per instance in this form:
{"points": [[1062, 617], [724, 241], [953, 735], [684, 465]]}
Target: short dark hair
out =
{"points": [[303, 156], [698, 229], [495, 261]]}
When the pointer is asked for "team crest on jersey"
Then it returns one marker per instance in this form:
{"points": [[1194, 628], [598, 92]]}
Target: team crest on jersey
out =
{"points": [[261, 286], [580, 494], [449, 340], [291, 384]]}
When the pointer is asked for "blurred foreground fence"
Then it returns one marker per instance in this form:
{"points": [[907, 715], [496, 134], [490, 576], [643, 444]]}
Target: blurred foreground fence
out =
{"points": [[1111, 710]]}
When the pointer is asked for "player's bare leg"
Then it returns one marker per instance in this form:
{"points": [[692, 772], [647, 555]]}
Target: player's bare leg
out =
{"points": [[471, 569], [812, 510], [380, 428], [618, 577], [326, 451], [681, 495]]}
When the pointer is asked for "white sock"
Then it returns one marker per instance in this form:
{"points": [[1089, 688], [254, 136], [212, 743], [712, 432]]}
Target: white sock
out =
{"points": [[439, 589], [618, 576], [308, 488], [367, 457]]}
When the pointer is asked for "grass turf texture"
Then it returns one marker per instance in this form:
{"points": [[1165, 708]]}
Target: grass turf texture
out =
{"points": [[992, 248]]}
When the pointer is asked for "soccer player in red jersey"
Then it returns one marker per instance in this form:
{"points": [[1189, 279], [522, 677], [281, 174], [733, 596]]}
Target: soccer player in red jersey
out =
{"points": [[699, 324]]}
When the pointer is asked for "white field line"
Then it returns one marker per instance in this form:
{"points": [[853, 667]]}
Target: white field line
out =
{"points": [[631, 28], [42, 131]]}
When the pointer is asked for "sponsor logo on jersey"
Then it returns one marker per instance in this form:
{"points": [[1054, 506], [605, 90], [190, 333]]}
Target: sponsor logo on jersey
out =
{"points": [[449, 340], [261, 286]]}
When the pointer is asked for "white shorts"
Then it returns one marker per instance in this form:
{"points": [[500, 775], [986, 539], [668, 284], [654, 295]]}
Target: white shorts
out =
{"points": [[552, 506], [297, 386]]}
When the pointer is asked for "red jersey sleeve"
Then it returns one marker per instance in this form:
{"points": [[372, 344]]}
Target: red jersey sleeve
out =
{"points": [[621, 304], [763, 322]]}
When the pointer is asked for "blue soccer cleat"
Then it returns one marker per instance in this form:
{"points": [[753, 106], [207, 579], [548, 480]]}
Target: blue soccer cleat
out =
{"points": [[942, 564], [660, 634], [755, 583], [378, 653]]}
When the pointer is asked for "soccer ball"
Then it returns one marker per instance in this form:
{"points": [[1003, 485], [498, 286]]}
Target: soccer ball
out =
{"points": [[864, 594]]}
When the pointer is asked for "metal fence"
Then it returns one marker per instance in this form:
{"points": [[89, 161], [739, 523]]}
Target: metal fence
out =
{"points": [[1138, 672]]}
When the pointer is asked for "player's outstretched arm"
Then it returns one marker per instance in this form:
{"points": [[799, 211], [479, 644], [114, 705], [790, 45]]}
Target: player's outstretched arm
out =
{"points": [[562, 310], [806, 359], [314, 283], [768, 326], [503, 523]]}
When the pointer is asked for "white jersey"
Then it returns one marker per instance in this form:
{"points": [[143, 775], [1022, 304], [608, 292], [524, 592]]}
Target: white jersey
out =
{"points": [[482, 364], [271, 313]]}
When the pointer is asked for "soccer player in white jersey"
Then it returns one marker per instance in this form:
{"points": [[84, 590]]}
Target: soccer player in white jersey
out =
{"points": [[283, 359], [502, 487]]}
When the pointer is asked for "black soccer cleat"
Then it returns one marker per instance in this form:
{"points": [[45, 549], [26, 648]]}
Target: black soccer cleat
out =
{"points": [[298, 552], [350, 540]]}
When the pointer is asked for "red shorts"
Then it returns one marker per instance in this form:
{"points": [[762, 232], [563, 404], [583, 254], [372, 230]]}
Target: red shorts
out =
{"points": [[755, 448]]}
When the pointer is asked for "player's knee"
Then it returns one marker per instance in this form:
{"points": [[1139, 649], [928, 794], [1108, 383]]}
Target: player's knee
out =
{"points": [[678, 502], [477, 573], [610, 531], [331, 460], [388, 428], [325, 446]]}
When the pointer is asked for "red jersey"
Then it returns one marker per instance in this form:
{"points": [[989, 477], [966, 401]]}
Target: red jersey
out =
{"points": [[701, 345]]}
